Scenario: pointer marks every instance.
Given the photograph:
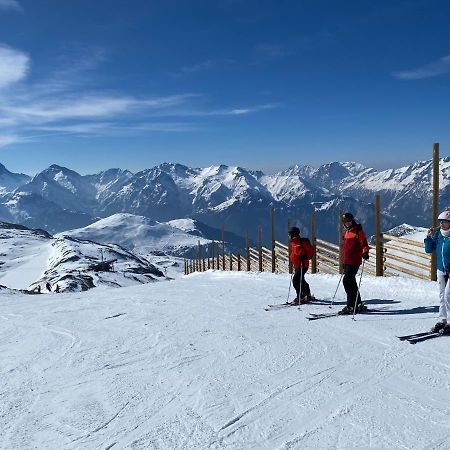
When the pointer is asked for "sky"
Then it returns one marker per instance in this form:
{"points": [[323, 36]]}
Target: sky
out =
{"points": [[259, 84]]}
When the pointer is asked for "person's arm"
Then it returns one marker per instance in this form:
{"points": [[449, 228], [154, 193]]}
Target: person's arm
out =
{"points": [[430, 241], [364, 245]]}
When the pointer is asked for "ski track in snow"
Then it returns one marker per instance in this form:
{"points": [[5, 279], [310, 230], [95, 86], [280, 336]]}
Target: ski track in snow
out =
{"points": [[198, 364]]}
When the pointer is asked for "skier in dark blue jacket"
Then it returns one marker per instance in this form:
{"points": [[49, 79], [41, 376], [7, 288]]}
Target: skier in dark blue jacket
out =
{"points": [[439, 241]]}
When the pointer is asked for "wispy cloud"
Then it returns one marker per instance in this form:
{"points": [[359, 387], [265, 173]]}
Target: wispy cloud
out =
{"points": [[14, 66], [11, 5], [109, 128], [88, 106], [62, 104], [8, 140], [433, 69], [251, 109]]}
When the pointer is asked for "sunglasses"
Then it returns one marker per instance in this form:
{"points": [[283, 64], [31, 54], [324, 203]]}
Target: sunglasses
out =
{"points": [[444, 221]]}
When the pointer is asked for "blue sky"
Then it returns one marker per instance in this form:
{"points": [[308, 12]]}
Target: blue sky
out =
{"points": [[261, 84]]}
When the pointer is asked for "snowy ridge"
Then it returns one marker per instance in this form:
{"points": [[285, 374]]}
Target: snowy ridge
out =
{"points": [[142, 235], [32, 258]]}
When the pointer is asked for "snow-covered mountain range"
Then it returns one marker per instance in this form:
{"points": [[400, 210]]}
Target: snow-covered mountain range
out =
{"points": [[59, 199]]}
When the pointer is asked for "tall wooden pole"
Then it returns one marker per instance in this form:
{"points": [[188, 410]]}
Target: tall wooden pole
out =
{"points": [[341, 243], [289, 247], [272, 217], [260, 249], [435, 204], [247, 247], [378, 239], [223, 249], [313, 242]]}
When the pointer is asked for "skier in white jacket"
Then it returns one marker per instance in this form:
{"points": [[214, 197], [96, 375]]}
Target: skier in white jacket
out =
{"points": [[438, 240]]}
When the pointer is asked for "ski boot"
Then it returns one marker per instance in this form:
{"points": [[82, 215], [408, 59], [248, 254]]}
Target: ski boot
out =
{"points": [[438, 327], [345, 311], [445, 329], [306, 299], [295, 302], [361, 307]]}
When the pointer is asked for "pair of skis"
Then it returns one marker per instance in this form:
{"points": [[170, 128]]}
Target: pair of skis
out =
{"points": [[420, 337], [280, 306], [286, 305], [326, 315]]}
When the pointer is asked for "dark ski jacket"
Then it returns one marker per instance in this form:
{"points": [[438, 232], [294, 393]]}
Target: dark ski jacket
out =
{"points": [[441, 244], [355, 244], [301, 252]]}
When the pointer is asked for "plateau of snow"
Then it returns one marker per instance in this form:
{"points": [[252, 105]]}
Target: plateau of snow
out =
{"points": [[197, 363]]}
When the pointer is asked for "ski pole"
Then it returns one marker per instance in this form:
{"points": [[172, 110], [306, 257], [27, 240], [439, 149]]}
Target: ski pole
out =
{"points": [[358, 294], [335, 292], [289, 291]]}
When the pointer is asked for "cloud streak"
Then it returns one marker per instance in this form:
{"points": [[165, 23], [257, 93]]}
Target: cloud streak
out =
{"points": [[14, 66], [433, 69], [12, 5], [60, 104]]}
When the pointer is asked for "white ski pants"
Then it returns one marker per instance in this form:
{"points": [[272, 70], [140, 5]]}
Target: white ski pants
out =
{"points": [[444, 296]]}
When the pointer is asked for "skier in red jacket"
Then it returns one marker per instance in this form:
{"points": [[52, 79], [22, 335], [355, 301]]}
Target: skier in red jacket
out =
{"points": [[301, 252], [355, 249]]}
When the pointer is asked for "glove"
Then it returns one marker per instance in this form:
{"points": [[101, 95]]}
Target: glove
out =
{"points": [[365, 256]]}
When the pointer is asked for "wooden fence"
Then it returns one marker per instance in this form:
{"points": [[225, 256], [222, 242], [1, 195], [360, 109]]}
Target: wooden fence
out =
{"points": [[389, 255]]}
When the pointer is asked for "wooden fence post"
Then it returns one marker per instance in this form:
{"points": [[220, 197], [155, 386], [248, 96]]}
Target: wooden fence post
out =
{"points": [[247, 243], [231, 261], [341, 255], [313, 242], [272, 214], [435, 204], [378, 239], [199, 257], [239, 262], [260, 250], [212, 256], [223, 249], [218, 257], [291, 269]]}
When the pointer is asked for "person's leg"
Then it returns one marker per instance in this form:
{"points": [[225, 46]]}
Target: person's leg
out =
{"points": [[350, 284], [305, 290], [442, 279], [296, 282], [444, 300]]}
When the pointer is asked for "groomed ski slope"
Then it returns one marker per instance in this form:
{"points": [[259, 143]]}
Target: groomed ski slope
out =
{"points": [[197, 363]]}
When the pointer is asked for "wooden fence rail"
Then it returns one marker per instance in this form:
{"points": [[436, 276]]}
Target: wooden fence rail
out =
{"points": [[388, 256]]}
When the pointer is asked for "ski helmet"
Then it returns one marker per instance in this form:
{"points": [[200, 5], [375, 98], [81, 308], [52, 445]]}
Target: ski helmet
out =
{"points": [[294, 231], [445, 215], [348, 216]]}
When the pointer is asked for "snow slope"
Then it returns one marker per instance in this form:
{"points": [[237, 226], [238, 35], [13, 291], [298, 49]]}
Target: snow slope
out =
{"points": [[138, 233], [198, 364]]}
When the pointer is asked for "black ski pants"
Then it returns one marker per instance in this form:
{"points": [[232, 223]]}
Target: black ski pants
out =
{"points": [[350, 284], [299, 280]]}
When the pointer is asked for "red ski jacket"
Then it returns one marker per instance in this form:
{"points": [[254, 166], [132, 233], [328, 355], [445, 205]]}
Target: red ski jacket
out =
{"points": [[355, 244], [301, 252]]}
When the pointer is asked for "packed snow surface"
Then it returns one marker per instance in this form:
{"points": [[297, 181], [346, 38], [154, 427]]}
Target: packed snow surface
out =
{"points": [[197, 363]]}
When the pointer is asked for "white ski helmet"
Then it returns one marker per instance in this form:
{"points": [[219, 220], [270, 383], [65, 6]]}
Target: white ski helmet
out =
{"points": [[445, 215]]}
